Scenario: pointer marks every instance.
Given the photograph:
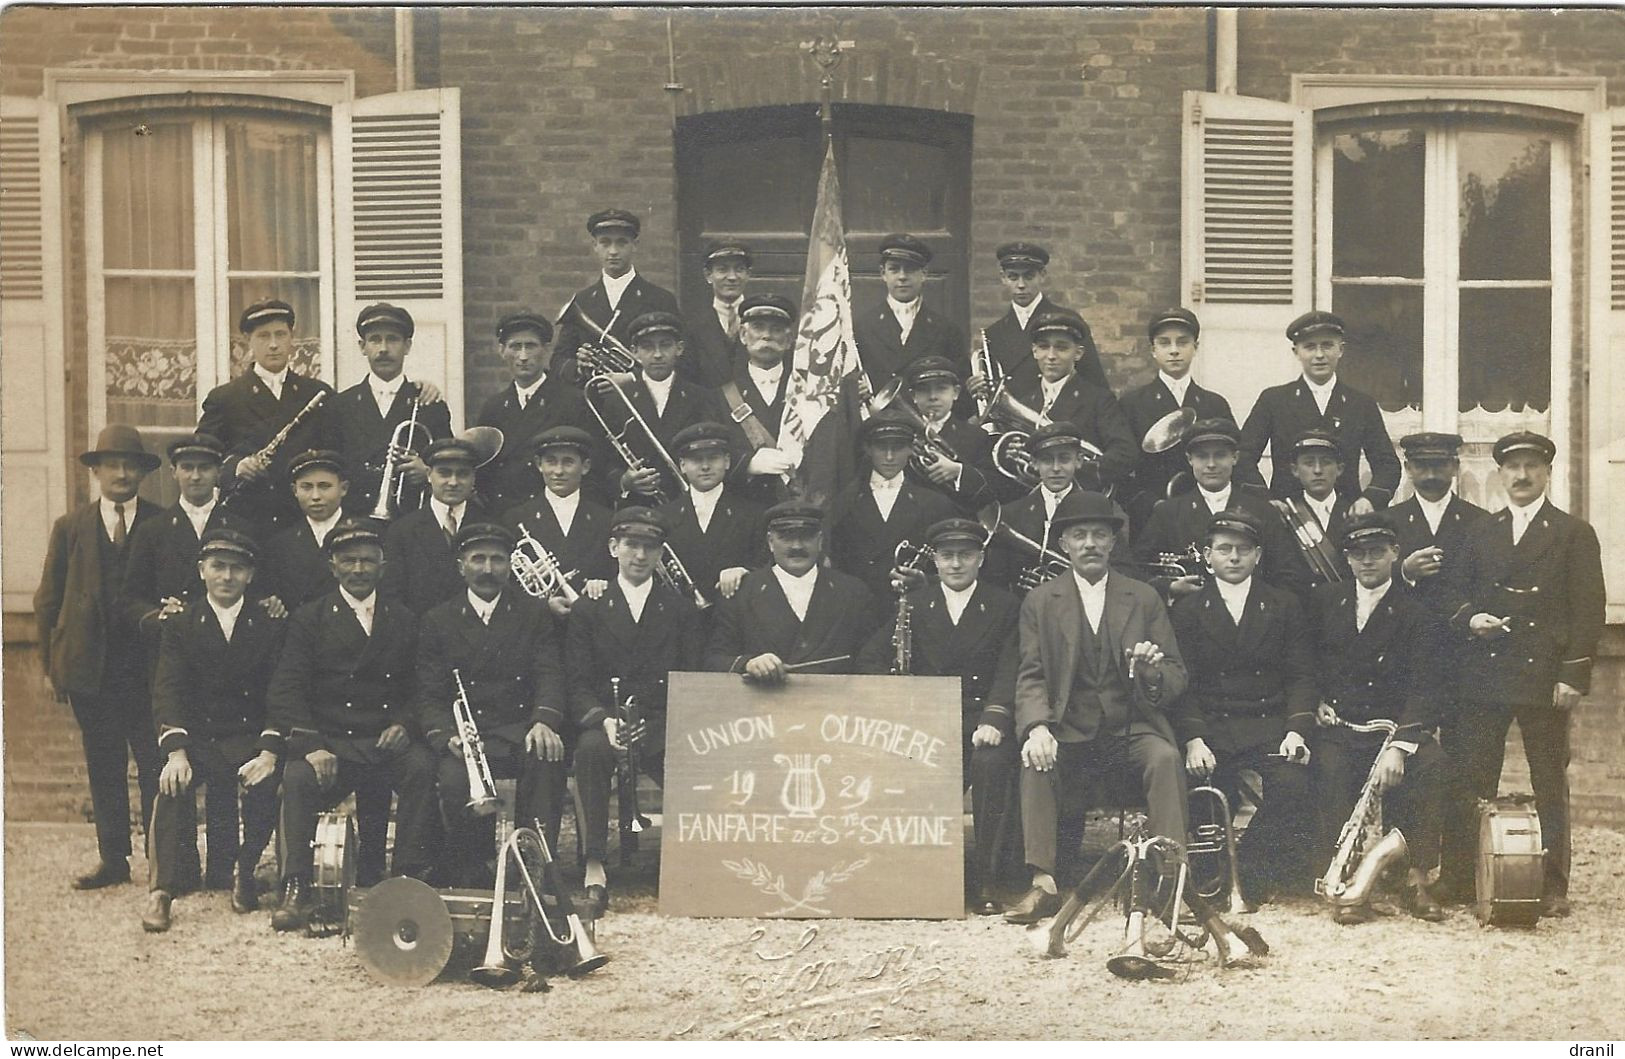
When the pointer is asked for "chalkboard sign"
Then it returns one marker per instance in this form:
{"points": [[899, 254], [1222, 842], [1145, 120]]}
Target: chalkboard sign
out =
{"points": [[832, 796]]}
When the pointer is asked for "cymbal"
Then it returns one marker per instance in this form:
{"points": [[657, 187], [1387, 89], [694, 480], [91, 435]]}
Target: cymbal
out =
{"points": [[403, 933], [1167, 432]]}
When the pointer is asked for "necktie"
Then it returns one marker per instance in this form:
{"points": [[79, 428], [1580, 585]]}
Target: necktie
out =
{"points": [[733, 319], [451, 527], [120, 528]]}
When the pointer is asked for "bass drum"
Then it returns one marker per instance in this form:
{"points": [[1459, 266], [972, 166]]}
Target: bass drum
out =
{"points": [[1511, 862], [333, 874]]}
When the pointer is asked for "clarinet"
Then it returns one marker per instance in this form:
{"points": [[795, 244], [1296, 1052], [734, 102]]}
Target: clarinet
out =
{"points": [[266, 454]]}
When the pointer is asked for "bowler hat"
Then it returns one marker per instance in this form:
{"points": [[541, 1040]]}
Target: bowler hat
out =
{"points": [[1082, 505]]}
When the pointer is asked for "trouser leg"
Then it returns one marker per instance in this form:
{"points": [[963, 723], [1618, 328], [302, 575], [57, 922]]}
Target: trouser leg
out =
{"points": [[303, 799], [1054, 807], [135, 712], [168, 837], [1477, 749], [1278, 842], [1161, 770], [372, 803], [994, 813], [411, 773], [1545, 731], [106, 763], [595, 773]]}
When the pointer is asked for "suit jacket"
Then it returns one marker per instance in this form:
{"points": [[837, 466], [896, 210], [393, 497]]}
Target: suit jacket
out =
{"points": [[737, 536], [585, 549], [640, 297], [1395, 668], [1095, 412], [1249, 684], [295, 568], [1051, 617], [420, 564], [76, 612], [884, 353], [363, 436], [1551, 584], [1286, 411], [686, 405], [245, 416], [513, 669], [862, 544], [337, 688], [509, 478], [603, 642], [207, 688], [758, 620], [710, 357], [163, 562], [981, 650], [1147, 404], [1182, 521], [1439, 592]]}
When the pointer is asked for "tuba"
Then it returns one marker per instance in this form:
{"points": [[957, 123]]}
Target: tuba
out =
{"points": [[402, 442], [1364, 852], [609, 403], [537, 570], [1010, 455], [1047, 562], [1166, 433], [482, 789]]}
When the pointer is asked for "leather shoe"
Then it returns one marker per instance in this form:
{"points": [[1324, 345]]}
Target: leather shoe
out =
{"points": [[1035, 905], [104, 874], [1556, 905], [986, 904], [596, 903], [1421, 904], [1351, 915], [155, 920], [245, 895], [294, 914]]}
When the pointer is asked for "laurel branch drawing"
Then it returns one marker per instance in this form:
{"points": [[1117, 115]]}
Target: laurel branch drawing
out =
{"points": [[813, 892]]}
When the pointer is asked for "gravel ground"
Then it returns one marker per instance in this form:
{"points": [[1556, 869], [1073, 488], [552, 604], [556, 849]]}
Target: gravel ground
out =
{"points": [[78, 966]]}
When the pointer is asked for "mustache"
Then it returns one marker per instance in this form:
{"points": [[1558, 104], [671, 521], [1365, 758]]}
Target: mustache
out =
{"points": [[798, 553]]}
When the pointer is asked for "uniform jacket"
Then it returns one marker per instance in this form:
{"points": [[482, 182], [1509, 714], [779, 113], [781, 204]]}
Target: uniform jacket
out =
{"points": [[513, 669], [1012, 346], [981, 650], [363, 437], [1394, 668], [1249, 684], [884, 353], [765, 489], [1147, 404], [76, 612], [862, 544], [510, 478], [710, 357], [1551, 584], [244, 416], [686, 405], [163, 562], [603, 642], [1051, 617], [1284, 412], [1182, 521], [420, 564], [336, 688], [640, 297], [1027, 516], [206, 688], [737, 536], [758, 620], [1095, 412], [1439, 592], [586, 548], [978, 481], [295, 568], [1333, 530]]}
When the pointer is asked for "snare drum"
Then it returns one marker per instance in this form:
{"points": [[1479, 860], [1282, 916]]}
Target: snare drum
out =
{"points": [[1511, 862], [333, 873]]}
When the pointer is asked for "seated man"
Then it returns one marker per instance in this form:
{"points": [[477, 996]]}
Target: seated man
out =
{"points": [[1098, 662], [794, 616], [209, 704], [501, 648], [343, 695], [569, 524], [718, 534], [619, 648], [964, 627], [1377, 654], [1251, 701]]}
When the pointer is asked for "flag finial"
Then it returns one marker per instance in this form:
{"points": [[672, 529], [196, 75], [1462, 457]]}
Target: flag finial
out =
{"points": [[827, 53]]}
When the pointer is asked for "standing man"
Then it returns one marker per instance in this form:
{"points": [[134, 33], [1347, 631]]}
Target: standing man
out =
{"points": [[366, 416], [1024, 274], [1317, 399], [535, 400], [619, 295], [754, 393], [251, 409], [1533, 612], [421, 567], [296, 558], [92, 657], [903, 329], [572, 527], [713, 337], [209, 703], [719, 536], [962, 464], [1099, 664], [1316, 464]]}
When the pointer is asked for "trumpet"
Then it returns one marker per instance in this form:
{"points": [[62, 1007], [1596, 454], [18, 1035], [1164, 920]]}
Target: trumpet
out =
{"points": [[1174, 565], [629, 731], [268, 453], [608, 387], [609, 354], [538, 571], [482, 789], [498, 969], [1311, 538], [927, 449], [392, 487], [1047, 562], [983, 363], [671, 570]]}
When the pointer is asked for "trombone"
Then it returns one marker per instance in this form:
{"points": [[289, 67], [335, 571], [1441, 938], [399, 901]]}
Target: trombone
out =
{"points": [[403, 443], [538, 571], [608, 387]]}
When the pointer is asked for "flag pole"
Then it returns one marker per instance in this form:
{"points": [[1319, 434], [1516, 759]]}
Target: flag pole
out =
{"points": [[827, 53]]}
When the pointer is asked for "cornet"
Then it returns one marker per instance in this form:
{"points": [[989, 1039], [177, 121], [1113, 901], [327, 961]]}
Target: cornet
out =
{"points": [[609, 403], [1213, 837], [403, 442], [538, 571], [671, 570], [482, 789]]}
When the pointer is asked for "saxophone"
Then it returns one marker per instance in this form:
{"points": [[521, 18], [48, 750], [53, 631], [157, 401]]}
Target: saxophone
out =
{"points": [[1364, 852]]}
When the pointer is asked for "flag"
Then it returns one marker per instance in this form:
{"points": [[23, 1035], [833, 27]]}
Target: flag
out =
{"points": [[817, 429]]}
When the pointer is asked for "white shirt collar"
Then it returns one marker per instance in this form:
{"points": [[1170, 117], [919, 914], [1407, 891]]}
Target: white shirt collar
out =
{"points": [[1024, 313], [1528, 511], [1052, 390], [722, 305], [637, 596], [660, 392], [1433, 510], [226, 616], [1321, 391], [391, 388], [1367, 598], [322, 529], [1216, 502], [272, 382], [564, 507], [1234, 596], [903, 310], [110, 516], [198, 515], [957, 599], [441, 510], [706, 502], [617, 287], [1088, 591], [766, 379], [525, 393], [359, 604], [482, 609], [1053, 500], [877, 484], [1177, 387], [798, 591], [1322, 508]]}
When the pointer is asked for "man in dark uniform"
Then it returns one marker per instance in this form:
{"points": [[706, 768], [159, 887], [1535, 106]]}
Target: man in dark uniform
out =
{"points": [[713, 336], [1316, 463], [1182, 521], [1318, 399], [962, 469], [1059, 393], [421, 566], [1024, 274], [903, 329], [881, 510], [1533, 612], [505, 646], [1098, 662], [793, 612], [1251, 701], [620, 647], [719, 536], [342, 695], [208, 701], [1174, 336], [296, 564], [963, 627], [368, 414], [618, 297], [573, 528], [754, 393], [537, 399], [247, 412], [1377, 655]]}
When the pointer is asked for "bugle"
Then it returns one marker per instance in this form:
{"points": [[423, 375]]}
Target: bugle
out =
{"points": [[1316, 547], [538, 571], [403, 444], [619, 418], [482, 789]]}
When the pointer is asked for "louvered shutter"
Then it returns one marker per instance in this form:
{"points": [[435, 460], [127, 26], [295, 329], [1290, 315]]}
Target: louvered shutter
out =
{"points": [[397, 174], [1606, 323], [35, 436], [1245, 237]]}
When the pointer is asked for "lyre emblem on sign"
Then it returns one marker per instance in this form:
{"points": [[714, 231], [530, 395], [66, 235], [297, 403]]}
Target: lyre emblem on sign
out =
{"points": [[803, 793]]}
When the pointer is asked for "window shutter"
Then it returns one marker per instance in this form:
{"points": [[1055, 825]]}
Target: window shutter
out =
{"points": [[1246, 230], [34, 465], [397, 175], [1606, 325]]}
